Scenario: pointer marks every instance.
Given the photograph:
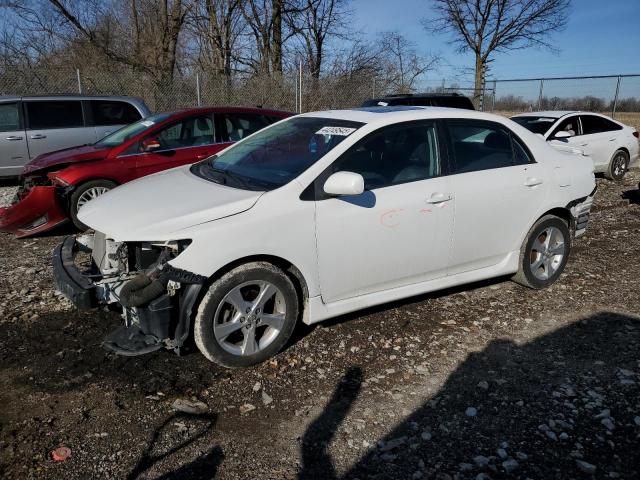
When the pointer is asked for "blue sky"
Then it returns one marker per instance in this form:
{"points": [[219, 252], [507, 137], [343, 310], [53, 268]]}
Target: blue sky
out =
{"points": [[602, 38]]}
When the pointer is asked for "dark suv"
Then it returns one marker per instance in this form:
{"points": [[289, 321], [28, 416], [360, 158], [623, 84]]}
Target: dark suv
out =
{"points": [[451, 100]]}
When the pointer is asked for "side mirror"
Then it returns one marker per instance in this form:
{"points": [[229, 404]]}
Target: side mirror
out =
{"points": [[344, 183], [562, 134], [150, 144]]}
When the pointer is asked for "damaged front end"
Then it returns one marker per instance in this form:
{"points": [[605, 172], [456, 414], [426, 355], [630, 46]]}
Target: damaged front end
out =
{"points": [[36, 207], [154, 299]]}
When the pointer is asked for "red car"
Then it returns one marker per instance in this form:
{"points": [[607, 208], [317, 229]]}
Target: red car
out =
{"points": [[55, 185]]}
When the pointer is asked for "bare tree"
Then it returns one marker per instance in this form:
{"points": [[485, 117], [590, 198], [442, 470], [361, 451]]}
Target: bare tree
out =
{"points": [[144, 35], [401, 63], [216, 26], [265, 22], [485, 27], [313, 21]]}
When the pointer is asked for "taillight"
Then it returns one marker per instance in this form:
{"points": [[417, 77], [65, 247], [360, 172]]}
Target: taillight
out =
{"points": [[636, 134]]}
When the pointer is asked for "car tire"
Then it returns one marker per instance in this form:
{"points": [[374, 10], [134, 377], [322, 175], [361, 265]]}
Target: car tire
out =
{"points": [[231, 326], [85, 192], [618, 166], [544, 253]]}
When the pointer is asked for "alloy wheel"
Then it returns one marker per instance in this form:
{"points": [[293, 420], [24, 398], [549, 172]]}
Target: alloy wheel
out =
{"points": [[547, 253], [90, 194], [619, 164], [249, 318]]}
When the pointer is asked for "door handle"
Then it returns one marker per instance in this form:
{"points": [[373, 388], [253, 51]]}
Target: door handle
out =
{"points": [[202, 156], [584, 144], [439, 198], [14, 137], [533, 181], [613, 139], [37, 136]]}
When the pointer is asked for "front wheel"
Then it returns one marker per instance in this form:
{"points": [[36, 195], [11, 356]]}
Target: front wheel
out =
{"points": [[83, 194], [247, 315], [544, 253], [618, 166]]}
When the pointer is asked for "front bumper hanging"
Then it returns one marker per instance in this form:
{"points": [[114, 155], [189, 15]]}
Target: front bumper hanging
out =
{"points": [[69, 280], [162, 322], [38, 211]]}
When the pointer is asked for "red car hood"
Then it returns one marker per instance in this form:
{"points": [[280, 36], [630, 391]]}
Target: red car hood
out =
{"points": [[63, 157]]}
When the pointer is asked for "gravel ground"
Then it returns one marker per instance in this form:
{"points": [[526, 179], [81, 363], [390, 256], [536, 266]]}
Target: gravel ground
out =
{"points": [[7, 192], [491, 380]]}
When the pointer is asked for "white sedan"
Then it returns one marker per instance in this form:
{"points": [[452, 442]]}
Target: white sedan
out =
{"points": [[319, 215], [612, 145]]}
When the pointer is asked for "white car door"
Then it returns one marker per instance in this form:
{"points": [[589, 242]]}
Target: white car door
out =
{"points": [[398, 231], [497, 190], [601, 137]]}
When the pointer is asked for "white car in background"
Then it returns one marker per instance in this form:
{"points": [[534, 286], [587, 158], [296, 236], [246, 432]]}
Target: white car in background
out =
{"points": [[323, 214], [613, 146]]}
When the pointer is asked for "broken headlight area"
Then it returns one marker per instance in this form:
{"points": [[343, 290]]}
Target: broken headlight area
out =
{"points": [[136, 279], [27, 184]]}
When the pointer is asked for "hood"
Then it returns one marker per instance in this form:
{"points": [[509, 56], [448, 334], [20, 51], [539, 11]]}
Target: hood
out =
{"points": [[157, 207], [62, 157]]}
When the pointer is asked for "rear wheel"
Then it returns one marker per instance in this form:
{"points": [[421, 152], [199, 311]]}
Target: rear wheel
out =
{"points": [[618, 166], [83, 194], [247, 315], [544, 253]]}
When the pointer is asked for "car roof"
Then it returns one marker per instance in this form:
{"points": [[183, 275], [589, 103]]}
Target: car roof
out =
{"points": [[401, 113], [66, 96], [548, 113], [258, 110], [421, 95]]}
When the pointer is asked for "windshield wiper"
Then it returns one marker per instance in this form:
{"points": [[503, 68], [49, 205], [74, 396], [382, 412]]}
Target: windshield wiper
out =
{"points": [[227, 175], [237, 178]]}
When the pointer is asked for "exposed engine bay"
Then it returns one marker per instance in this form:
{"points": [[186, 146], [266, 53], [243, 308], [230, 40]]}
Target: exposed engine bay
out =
{"points": [[135, 279]]}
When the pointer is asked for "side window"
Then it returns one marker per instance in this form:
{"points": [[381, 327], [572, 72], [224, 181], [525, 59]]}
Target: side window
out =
{"points": [[393, 155], [190, 132], [520, 154], [610, 126], [109, 112], [592, 124], [9, 117], [569, 125], [51, 114], [236, 126], [479, 146]]}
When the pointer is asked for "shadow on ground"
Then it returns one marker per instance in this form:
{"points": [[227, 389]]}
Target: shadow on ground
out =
{"points": [[569, 396], [632, 195], [203, 467]]}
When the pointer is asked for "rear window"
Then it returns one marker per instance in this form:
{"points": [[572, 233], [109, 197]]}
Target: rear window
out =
{"points": [[593, 124], [51, 114], [535, 123], [236, 126], [111, 112]]}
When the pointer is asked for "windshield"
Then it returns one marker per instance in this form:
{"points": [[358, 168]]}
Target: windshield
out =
{"points": [[276, 155], [535, 124], [125, 133]]}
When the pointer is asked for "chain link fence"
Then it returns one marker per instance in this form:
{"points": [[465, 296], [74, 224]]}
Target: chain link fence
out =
{"points": [[614, 95], [618, 95], [292, 91]]}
